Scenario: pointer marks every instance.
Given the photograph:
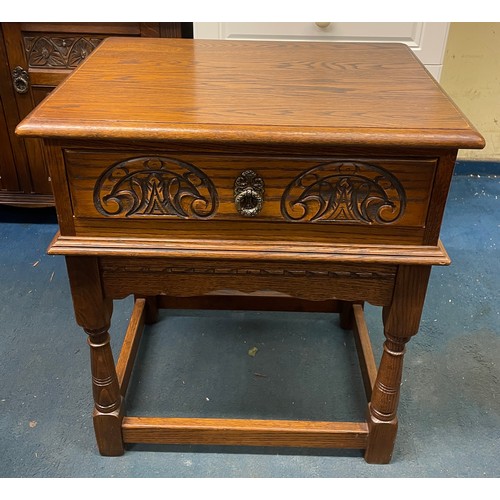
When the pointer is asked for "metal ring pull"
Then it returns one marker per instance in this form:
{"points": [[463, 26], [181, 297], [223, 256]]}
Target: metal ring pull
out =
{"points": [[21, 80], [249, 193]]}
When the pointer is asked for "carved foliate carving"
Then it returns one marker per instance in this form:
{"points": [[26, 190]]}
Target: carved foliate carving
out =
{"points": [[58, 52], [155, 186], [344, 191]]}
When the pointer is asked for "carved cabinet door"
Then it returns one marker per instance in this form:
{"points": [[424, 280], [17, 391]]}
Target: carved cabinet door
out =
{"points": [[39, 57], [10, 151]]}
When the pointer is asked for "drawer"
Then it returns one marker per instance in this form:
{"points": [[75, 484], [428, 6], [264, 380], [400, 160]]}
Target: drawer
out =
{"points": [[250, 197]]}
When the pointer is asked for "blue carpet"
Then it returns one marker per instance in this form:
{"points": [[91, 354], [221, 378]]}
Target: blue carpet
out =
{"points": [[305, 367]]}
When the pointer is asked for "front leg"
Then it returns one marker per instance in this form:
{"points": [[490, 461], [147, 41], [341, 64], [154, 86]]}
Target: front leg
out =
{"points": [[93, 313], [401, 322], [108, 414]]}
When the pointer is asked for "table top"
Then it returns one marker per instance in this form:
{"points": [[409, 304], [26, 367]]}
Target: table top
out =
{"points": [[252, 91]]}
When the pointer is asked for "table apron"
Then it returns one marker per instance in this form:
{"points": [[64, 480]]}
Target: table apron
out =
{"points": [[122, 276]]}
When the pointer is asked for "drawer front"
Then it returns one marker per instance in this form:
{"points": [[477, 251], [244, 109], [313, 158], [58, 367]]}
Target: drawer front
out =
{"points": [[330, 199]]}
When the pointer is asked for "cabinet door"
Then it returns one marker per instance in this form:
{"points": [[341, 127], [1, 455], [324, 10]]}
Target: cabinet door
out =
{"points": [[41, 55], [12, 151], [8, 176], [50, 51]]}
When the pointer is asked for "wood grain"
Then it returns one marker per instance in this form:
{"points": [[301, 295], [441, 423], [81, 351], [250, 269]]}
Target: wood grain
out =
{"points": [[414, 176], [34, 155], [238, 91], [243, 231], [185, 278], [401, 322], [364, 350], [402, 318], [279, 250], [244, 432], [128, 352], [48, 52], [437, 201], [231, 300], [93, 313], [210, 110]]}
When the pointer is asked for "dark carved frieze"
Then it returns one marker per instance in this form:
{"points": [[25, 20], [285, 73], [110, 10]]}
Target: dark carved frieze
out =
{"points": [[155, 186], [344, 191], [55, 51], [291, 273]]}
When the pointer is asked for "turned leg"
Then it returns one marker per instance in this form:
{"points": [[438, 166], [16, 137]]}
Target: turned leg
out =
{"points": [[107, 415], [93, 313], [151, 310], [382, 409], [401, 322]]}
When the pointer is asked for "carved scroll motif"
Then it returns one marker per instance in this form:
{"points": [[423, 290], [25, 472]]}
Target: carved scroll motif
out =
{"points": [[344, 191], [58, 52], [155, 186]]}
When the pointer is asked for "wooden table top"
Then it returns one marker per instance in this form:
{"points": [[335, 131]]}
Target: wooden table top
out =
{"points": [[249, 91]]}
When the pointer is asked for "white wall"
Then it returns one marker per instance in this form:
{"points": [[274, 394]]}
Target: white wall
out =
{"points": [[471, 77]]}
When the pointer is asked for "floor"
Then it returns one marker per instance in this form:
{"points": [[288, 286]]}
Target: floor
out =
{"points": [[303, 366]]}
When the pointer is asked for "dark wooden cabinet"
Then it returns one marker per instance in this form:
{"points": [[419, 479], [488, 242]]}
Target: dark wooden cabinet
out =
{"points": [[34, 59]]}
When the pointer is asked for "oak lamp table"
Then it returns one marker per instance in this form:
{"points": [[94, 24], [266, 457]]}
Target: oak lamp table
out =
{"points": [[302, 176]]}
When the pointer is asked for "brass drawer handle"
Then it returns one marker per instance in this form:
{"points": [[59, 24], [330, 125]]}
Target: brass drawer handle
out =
{"points": [[249, 193], [21, 80]]}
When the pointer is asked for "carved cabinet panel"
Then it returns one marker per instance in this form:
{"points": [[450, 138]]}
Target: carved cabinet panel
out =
{"points": [[53, 51], [35, 58]]}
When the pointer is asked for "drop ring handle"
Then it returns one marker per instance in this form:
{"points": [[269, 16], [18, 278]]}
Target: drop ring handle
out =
{"points": [[20, 80], [248, 193]]}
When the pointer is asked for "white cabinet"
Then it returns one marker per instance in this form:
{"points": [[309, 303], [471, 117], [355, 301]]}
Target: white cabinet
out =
{"points": [[427, 40]]}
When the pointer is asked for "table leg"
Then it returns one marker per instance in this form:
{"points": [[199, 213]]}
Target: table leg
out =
{"points": [[401, 322], [93, 313], [108, 413], [151, 310], [346, 315]]}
